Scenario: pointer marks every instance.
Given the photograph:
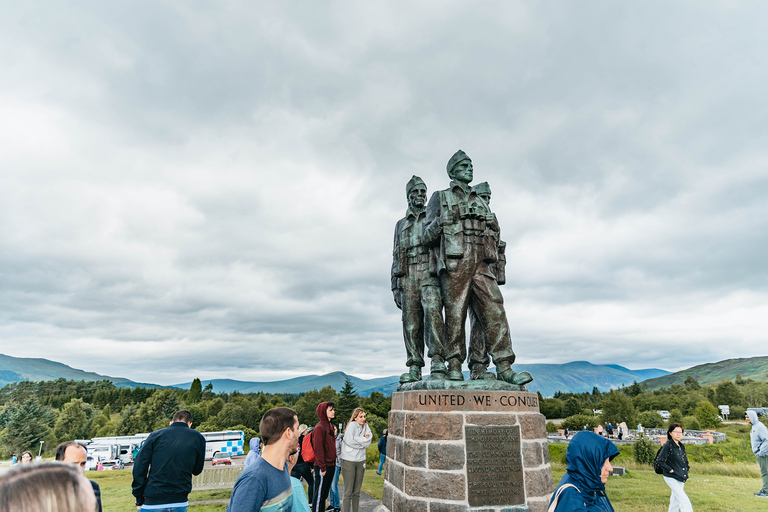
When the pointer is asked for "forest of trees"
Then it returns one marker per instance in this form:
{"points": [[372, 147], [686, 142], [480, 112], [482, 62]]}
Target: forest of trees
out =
{"points": [[61, 410], [692, 405]]}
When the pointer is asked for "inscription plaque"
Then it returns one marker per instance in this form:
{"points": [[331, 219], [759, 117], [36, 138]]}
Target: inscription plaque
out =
{"points": [[494, 466]]}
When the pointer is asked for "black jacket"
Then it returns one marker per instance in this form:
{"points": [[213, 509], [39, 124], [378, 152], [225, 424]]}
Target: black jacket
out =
{"points": [[171, 456], [673, 457]]}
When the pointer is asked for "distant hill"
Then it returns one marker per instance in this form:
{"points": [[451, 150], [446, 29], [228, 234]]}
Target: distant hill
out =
{"points": [[750, 368], [16, 369], [575, 377]]}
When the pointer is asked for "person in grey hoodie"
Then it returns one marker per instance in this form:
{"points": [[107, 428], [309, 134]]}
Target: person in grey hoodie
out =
{"points": [[254, 443], [759, 438], [357, 437]]}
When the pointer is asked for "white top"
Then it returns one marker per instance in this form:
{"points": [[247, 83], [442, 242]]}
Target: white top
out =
{"points": [[354, 444]]}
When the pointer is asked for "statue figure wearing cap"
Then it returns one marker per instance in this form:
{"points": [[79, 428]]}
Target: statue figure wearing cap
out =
{"points": [[478, 358], [416, 290], [459, 229]]}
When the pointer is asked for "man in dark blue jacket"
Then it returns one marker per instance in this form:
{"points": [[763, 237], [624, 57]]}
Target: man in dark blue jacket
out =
{"points": [[162, 473]]}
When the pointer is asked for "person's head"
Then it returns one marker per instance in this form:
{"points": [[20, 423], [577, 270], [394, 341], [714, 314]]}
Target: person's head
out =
{"points": [[460, 167], [302, 429], [292, 459], [675, 432], [416, 192], [358, 415], [385, 433], [588, 459], [26, 457], [751, 417], [184, 416], [72, 452], [46, 487], [280, 425], [484, 191], [326, 411]]}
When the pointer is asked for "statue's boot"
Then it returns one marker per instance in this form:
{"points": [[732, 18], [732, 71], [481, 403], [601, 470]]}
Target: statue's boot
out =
{"points": [[480, 372], [507, 374], [437, 369], [454, 369], [413, 375]]}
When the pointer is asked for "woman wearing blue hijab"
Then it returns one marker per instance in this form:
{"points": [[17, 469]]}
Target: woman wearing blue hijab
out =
{"points": [[582, 488]]}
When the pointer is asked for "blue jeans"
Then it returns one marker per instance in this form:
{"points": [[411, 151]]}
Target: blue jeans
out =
{"points": [[382, 458], [167, 509], [335, 489]]}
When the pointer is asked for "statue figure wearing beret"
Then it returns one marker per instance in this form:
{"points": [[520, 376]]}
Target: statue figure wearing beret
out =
{"points": [[459, 227], [416, 290]]}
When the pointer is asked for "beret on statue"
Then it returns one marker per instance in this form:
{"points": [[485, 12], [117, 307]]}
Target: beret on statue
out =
{"points": [[482, 188], [415, 180], [457, 157]]}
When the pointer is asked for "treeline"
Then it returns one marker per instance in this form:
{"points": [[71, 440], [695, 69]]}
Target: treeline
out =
{"points": [[55, 411], [692, 405]]}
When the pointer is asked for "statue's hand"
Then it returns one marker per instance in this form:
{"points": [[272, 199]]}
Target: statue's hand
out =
{"points": [[398, 294]]}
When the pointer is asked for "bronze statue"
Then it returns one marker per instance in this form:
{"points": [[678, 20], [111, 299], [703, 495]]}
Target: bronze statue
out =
{"points": [[459, 228], [478, 354], [416, 291]]}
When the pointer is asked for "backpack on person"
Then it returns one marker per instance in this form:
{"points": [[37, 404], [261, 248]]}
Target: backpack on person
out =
{"points": [[307, 450], [553, 505]]}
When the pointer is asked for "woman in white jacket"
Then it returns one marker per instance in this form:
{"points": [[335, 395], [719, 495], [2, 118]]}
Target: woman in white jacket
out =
{"points": [[357, 437]]}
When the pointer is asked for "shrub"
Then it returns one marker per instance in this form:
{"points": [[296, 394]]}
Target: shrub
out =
{"points": [[644, 451], [707, 414], [650, 419], [551, 427], [577, 421], [691, 423], [676, 416]]}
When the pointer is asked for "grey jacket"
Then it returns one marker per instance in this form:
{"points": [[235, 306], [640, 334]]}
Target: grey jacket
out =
{"points": [[758, 435]]}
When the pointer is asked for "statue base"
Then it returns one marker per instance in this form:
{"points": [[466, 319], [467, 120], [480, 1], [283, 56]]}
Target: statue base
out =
{"points": [[461, 449]]}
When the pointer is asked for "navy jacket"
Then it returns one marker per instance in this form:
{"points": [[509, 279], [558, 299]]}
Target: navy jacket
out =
{"points": [[162, 472]]}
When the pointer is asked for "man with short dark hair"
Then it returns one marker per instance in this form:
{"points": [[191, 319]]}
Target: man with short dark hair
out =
{"points": [[266, 484], [162, 472], [75, 453], [324, 446]]}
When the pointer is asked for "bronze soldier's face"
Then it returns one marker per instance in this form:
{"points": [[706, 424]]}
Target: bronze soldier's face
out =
{"points": [[417, 197], [463, 171]]}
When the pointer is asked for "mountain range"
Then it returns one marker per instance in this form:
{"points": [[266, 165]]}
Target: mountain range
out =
{"points": [[749, 368], [576, 377]]}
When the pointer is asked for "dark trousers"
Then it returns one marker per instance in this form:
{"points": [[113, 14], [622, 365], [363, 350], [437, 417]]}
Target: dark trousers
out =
{"points": [[304, 470], [322, 488]]}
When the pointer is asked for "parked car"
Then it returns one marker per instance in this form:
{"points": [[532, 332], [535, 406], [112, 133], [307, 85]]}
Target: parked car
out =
{"points": [[664, 415], [221, 459], [90, 463], [112, 464]]}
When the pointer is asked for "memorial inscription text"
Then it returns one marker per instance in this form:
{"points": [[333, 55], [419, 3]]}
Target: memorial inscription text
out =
{"points": [[494, 466]]}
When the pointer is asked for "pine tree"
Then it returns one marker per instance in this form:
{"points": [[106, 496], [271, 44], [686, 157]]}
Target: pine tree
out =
{"points": [[195, 392], [347, 402]]}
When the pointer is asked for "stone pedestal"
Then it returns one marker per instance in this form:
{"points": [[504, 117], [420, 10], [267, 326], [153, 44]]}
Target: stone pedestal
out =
{"points": [[460, 450]]}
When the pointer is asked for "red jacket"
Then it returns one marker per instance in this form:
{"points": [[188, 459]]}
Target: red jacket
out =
{"points": [[323, 440]]}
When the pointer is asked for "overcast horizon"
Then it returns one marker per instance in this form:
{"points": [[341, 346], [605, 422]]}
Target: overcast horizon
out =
{"points": [[210, 190]]}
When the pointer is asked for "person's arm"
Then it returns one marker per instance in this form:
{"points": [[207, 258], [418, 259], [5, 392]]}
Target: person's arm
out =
{"points": [[141, 469], [354, 436], [433, 226], [397, 272], [200, 458], [247, 496], [663, 456]]}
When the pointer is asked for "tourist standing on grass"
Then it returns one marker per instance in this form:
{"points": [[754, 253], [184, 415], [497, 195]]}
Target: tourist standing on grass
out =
{"points": [[324, 445], [675, 467], [162, 473], [26, 457], [334, 496], [253, 454], [303, 469], [75, 453], [382, 451], [759, 437], [357, 437], [582, 488], [300, 503]]}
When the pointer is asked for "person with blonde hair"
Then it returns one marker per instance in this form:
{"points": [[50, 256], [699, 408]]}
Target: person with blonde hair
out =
{"points": [[46, 487], [357, 437]]}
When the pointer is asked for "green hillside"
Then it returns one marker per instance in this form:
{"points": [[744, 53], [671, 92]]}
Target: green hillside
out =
{"points": [[750, 368]]}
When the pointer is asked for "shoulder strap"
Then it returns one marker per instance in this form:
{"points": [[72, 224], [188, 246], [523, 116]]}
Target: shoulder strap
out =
{"points": [[553, 505]]}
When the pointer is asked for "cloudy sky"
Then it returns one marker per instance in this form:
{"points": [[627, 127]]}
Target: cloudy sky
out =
{"points": [[210, 188]]}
